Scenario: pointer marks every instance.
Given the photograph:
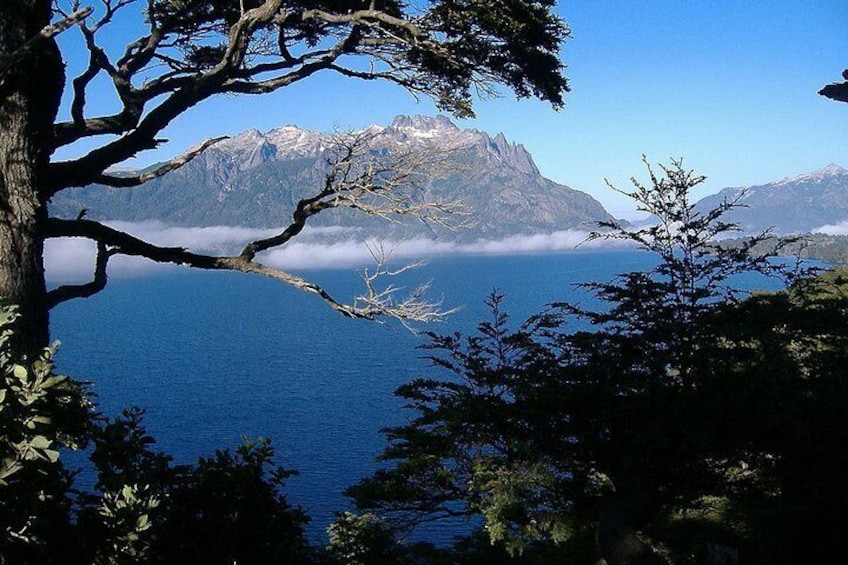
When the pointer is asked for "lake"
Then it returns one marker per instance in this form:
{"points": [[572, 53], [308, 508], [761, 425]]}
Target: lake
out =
{"points": [[215, 356]]}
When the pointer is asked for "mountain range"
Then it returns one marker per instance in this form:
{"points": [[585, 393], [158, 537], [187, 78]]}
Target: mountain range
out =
{"points": [[797, 205], [255, 179]]}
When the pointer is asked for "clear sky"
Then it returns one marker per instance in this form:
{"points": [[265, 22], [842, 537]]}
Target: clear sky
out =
{"points": [[730, 86]]}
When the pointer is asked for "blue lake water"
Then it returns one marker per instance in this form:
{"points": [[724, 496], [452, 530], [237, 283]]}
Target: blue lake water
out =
{"points": [[215, 356]]}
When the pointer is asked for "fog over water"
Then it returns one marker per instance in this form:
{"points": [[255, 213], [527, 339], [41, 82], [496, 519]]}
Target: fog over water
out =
{"points": [[72, 259]]}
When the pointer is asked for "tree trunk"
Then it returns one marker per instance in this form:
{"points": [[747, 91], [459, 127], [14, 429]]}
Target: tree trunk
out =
{"points": [[29, 98]]}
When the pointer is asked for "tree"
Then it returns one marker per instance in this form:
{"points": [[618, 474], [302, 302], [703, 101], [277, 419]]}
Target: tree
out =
{"points": [[784, 391], [143, 509], [192, 50], [40, 413], [641, 432], [837, 90]]}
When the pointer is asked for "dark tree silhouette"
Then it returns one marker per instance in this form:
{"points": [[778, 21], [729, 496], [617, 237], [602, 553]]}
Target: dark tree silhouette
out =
{"points": [[657, 431], [837, 90]]}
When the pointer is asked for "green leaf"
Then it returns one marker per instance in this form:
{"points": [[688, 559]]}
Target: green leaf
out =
{"points": [[142, 523], [40, 442], [9, 467], [20, 373], [128, 493], [54, 380]]}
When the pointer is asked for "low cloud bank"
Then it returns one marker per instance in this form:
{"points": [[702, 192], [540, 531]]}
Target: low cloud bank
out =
{"points": [[833, 229], [72, 259]]}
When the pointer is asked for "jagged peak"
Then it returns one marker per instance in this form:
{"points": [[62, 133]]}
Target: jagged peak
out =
{"points": [[500, 140], [288, 128], [373, 129], [423, 123], [293, 140], [247, 135]]}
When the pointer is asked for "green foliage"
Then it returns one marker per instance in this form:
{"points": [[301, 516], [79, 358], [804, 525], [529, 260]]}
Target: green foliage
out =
{"points": [[123, 455], [227, 508], [40, 413], [29, 396], [362, 540], [786, 383], [126, 518], [450, 49], [688, 421]]}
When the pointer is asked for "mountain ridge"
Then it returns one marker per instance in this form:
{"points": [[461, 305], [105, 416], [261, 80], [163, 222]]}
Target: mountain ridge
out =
{"points": [[792, 205], [256, 178]]}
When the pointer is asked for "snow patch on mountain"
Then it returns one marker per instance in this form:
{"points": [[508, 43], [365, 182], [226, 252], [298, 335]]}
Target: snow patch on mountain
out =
{"points": [[814, 202], [824, 174], [253, 148]]}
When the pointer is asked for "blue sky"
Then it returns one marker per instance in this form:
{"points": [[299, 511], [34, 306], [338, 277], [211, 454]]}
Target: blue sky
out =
{"points": [[730, 86]]}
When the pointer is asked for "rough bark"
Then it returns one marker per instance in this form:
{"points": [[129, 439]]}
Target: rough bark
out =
{"points": [[29, 99]]}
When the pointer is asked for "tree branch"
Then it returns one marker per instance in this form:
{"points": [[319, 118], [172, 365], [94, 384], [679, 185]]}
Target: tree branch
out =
{"points": [[381, 183], [69, 292], [837, 90], [360, 178], [121, 243], [221, 78], [172, 165], [366, 16], [414, 306]]}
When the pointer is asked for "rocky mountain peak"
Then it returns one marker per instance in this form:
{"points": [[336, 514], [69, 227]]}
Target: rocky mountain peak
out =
{"points": [[253, 148], [255, 178], [514, 154], [426, 129], [424, 124], [833, 169], [829, 173], [245, 138]]}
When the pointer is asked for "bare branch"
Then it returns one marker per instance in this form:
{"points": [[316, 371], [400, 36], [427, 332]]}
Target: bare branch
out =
{"points": [[190, 82], [121, 243], [412, 307], [361, 16], [172, 165], [223, 77]]}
